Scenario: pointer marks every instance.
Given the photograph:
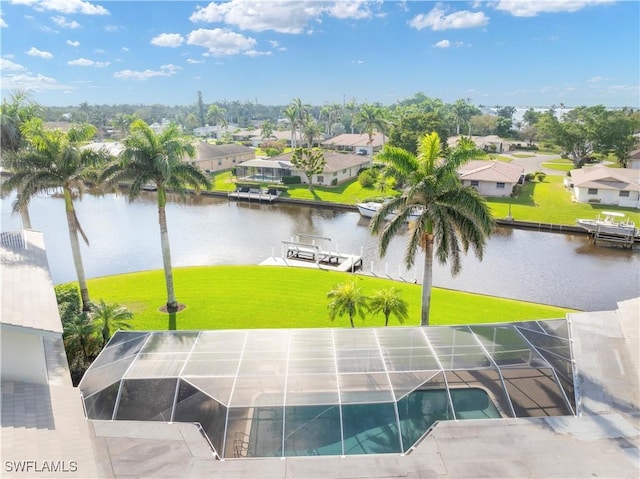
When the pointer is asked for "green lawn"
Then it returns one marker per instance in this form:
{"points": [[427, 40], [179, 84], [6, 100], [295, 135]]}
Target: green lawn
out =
{"points": [[235, 297], [550, 202]]}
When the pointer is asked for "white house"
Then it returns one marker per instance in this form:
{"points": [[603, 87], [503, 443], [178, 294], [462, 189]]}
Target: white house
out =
{"points": [[491, 178], [339, 167], [608, 186], [355, 142]]}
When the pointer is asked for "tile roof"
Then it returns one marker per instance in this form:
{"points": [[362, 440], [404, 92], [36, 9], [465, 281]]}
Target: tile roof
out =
{"points": [[24, 262], [600, 176], [355, 140], [498, 171], [207, 151]]}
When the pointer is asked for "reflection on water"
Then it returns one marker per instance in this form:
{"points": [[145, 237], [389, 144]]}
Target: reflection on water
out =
{"points": [[552, 268]]}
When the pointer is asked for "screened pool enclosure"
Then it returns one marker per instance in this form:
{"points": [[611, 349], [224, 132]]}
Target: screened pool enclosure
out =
{"points": [[299, 392]]}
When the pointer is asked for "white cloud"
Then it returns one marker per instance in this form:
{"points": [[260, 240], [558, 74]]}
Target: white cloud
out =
{"points": [[194, 62], [65, 6], [447, 44], [595, 79], [125, 49], [437, 19], [165, 71], [99, 51], [27, 81], [73, 43], [113, 28], [9, 66], [220, 42], [3, 24], [256, 53], [171, 40], [34, 52], [353, 10], [62, 22], [85, 62], [531, 8], [284, 16]]}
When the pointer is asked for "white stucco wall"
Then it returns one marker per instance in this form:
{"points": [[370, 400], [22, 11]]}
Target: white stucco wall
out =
{"points": [[606, 197], [22, 356], [490, 188]]}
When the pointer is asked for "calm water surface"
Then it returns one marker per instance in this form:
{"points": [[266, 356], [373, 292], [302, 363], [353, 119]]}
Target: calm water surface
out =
{"points": [[551, 268]]}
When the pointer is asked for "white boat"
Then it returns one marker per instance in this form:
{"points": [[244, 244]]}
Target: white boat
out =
{"points": [[370, 208], [609, 222]]}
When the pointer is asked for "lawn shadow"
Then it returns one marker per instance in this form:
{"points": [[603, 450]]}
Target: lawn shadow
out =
{"points": [[172, 321]]}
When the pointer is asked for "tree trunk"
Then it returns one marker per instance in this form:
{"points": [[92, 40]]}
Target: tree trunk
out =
{"points": [[351, 319], [75, 250], [172, 303], [24, 216], [427, 280]]}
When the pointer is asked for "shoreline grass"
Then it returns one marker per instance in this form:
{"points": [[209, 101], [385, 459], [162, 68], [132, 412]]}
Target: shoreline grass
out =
{"points": [[242, 297]]}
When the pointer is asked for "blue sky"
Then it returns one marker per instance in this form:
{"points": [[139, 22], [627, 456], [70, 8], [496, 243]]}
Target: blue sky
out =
{"points": [[503, 52]]}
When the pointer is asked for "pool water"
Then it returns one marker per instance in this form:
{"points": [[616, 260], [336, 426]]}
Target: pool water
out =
{"points": [[366, 428]]}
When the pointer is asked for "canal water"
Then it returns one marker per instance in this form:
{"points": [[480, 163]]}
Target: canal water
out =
{"points": [[552, 268]]}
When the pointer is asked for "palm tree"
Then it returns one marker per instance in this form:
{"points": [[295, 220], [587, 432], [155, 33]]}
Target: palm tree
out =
{"points": [[54, 160], [347, 298], [157, 158], [79, 337], [13, 114], [310, 130], [302, 113], [452, 217], [389, 302], [371, 118], [109, 318], [216, 116], [291, 115]]}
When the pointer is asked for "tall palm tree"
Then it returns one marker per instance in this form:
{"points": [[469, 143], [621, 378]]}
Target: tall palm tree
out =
{"points": [[13, 114], [54, 160], [109, 318], [291, 114], [452, 217], [371, 118], [216, 116], [388, 302], [347, 298], [302, 114], [157, 158]]}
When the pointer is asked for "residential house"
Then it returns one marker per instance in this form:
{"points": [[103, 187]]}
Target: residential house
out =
{"points": [[490, 143], [355, 142], [339, 167], [634, 160], [212, 158], [43, 430], [491, 178], [605, 185]]}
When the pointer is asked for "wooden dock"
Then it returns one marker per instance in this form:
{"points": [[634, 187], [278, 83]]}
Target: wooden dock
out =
{"points": [[304, 252]]}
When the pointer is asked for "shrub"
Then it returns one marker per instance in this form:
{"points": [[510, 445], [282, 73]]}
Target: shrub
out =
{"points": [[540, 176], [529, 177], [334, 182], [291, 180], [69, 302], [367, 178]]}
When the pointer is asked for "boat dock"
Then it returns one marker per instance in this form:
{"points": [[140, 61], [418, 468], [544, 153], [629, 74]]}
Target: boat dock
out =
{"points": [[624, 237], [244, 193], [303, 251]]}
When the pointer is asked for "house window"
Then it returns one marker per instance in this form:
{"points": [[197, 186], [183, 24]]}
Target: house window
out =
{"points": [[234, 160], [335, 173], [320, 179], [219, 162], [592, 191], [500, 186], [475, 183], [624, 194]]}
